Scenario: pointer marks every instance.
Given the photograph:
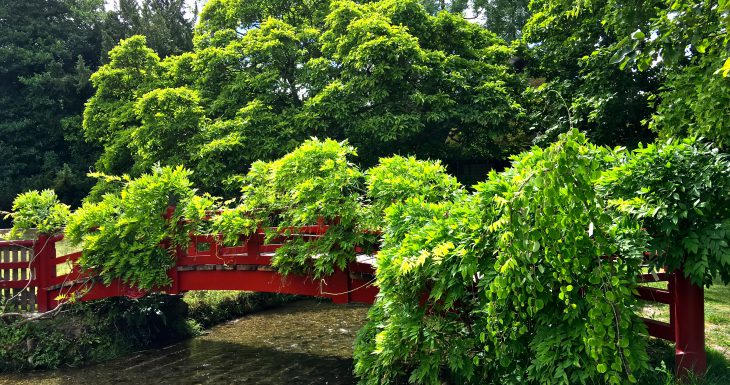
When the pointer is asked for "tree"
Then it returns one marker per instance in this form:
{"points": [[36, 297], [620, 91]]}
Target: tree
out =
{"points": [[264, 77], [571, 49], [167, 25], [506, 18], [503, 17], [656, 64], [688, 43], [48, 49]]}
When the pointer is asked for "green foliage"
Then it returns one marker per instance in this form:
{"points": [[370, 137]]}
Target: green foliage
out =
{"points": [[654, 64], [387, 76], [167, 24], [571, 46], [127, 235], [688, 41], [556, 290], [503, 17], [396, 179], [91, 332], [209, 308], [49, 48], [110, 115], [41, 211], [678, 190], [316, 183], [510, 283], [170, 118], [420, 328]]}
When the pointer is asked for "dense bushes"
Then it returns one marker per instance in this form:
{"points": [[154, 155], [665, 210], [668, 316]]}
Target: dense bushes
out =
{"points": [[105, 329], [208, 308], [531, 278], [122, 235], [41, 211], [678, 190]]}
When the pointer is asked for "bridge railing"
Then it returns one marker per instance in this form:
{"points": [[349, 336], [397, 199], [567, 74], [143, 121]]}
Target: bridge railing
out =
{"points": [[29, 282]]}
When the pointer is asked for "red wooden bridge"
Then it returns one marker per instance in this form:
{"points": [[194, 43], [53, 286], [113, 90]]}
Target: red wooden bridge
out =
{"points": [[38, 280]]}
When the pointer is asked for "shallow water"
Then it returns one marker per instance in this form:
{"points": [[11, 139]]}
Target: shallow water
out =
{"points": [[305, 342]]}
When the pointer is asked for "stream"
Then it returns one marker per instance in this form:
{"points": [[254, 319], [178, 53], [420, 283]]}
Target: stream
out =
{"points": [[304, 342]]}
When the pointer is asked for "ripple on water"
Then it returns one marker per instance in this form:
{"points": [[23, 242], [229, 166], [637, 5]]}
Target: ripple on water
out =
{"points": [[305, 342]]}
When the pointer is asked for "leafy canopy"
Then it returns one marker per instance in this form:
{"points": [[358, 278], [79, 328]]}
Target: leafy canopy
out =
{"points": [[627, 66], [678, 190], [264, 76]]}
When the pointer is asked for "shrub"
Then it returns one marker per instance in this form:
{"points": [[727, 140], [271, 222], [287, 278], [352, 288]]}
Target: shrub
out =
{"points": [[122, 236], [679, 192], [37, 210]]}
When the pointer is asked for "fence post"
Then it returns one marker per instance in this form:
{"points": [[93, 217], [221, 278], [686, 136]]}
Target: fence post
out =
{"points": [[44, 268], [689, 326]]}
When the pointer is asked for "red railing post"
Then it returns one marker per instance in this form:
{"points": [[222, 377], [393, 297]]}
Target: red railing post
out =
{"points": [[44, 268], [689, 326]]}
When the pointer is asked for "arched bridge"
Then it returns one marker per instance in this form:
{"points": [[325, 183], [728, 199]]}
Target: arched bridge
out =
{"points": [[204, 265], [36, 279]]}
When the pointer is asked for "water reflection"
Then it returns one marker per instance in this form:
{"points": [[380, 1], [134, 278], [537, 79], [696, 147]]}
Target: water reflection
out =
{"points": [[305, 342]]}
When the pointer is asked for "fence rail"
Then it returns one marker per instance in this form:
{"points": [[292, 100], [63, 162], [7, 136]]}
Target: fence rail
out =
{"points": [[17, 278]]}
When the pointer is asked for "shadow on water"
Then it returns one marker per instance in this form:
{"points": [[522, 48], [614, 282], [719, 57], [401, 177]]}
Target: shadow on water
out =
{"points": [[305, 342]]}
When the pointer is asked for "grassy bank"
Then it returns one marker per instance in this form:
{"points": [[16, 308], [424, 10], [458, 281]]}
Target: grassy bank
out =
{"points": [[84, 333], [209, 308]]}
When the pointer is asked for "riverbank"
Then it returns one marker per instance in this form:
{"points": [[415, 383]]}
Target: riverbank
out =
{"points": [[85, 333], [303, 342]]}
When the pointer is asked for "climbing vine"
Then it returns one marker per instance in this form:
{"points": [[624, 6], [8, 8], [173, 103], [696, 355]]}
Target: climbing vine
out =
{"points": [[530, 278], [315, 183], [128, 236], [678, 190], [39, 210]]}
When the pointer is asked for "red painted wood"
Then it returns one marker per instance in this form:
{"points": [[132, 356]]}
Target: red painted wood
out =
{"points": [[68, 257], [14, 265], [22, 243], [689, 328], [259, 281], [659, 329], [44, 251], [655, 295]]}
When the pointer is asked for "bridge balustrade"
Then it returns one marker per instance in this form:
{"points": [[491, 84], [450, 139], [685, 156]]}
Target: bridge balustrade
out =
{"points": [[34, 279]]}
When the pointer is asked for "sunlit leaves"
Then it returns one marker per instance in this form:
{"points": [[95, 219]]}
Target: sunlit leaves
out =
{"points": [[122, 235], [39, 211], [679, 190]]}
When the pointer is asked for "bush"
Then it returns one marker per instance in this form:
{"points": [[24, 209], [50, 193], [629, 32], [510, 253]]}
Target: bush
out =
{"points": [[37, 210], [679, 192], [92, 332], [509, 284], [122, 236], [208, 308]]}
